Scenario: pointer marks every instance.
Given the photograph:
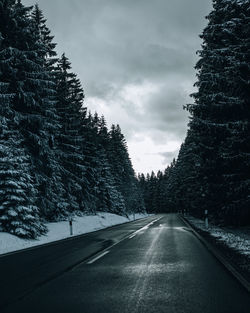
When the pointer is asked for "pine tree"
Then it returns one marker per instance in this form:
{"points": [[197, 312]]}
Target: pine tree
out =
{"points": [[236, 148], [18, 72], [69, 109], [109, 196], [122, 170], [18, 213], [32, 87], [187, 179], [220, 115], [45, 37], [159, 203], [57, 207]]}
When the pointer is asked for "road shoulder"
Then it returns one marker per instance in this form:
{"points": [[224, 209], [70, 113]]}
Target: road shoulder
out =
{"points": [[217, 250]]}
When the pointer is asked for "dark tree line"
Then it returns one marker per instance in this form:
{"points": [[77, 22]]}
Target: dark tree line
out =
{"points": [[159, 190], [213, 167], [55, 157]]}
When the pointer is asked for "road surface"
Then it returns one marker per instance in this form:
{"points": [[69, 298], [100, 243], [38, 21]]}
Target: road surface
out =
{"points": [[154, 265]]}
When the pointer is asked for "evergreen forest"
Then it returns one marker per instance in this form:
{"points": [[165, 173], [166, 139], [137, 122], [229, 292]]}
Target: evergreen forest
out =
{"points": [[59, 159], [212, 171], [56, 158]]}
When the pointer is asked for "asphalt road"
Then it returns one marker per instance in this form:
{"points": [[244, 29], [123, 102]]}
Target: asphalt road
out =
{"points": [[160, 267]]}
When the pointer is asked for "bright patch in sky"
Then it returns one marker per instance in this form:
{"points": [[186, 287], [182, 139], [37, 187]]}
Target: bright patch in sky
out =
{"points": [[147, 155], [149, 150]]}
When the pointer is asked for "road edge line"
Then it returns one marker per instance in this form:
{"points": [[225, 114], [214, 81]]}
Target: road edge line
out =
{"points": [[219, 257]]}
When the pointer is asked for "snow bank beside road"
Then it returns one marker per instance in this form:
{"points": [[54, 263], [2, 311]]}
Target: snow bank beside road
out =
{"points": [[60, 230], [238, 239]]}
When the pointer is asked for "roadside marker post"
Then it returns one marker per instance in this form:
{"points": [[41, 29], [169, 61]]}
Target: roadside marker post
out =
{"points": [[70, 226], [206, 218]]}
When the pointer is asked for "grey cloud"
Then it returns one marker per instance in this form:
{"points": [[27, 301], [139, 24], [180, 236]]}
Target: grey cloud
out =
{"points": [[168, 157], [115, 43], [126, 40], [166, 110], [162, 116]]}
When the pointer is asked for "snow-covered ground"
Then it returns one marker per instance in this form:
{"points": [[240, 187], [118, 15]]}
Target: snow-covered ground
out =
{"points": [[238, 239], [60, 230]]}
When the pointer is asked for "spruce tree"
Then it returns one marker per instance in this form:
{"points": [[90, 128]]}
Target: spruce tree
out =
{"points": [[236, 148], [32, 87], [109, 196], [122, 170], [18, 72], [45, 37], [69, 141], [219, 126], [57, 208], [18, 212]]}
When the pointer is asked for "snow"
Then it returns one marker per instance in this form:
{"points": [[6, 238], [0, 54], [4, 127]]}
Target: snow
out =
{"points": [[60, 230], [236, 238]]}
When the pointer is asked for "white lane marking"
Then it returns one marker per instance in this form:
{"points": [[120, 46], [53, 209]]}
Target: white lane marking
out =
{"points": [[143, 228], [98, 257], [105, 251], [132, 236]]}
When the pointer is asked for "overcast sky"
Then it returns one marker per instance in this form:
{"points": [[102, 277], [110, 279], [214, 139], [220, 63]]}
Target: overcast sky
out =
{"points": [[136, 60]]}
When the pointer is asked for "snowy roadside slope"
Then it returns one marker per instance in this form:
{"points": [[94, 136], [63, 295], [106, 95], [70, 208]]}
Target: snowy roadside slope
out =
{"points": [[60, 230], [238, 239]]}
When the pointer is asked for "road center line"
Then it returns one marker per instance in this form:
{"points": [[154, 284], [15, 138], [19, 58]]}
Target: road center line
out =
{"points": [[105, 251], [143, 228], [98, 257], [132, 236]]}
